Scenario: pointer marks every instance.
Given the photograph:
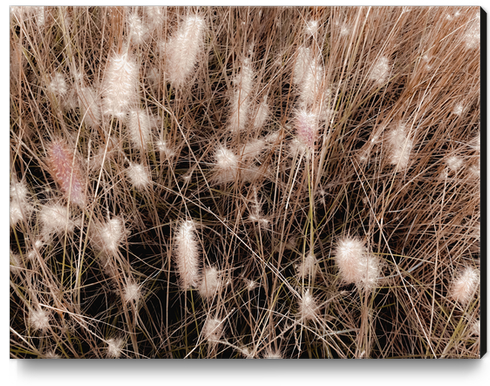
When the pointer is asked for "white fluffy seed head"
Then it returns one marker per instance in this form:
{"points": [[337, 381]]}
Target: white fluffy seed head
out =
{"points": [[474, 171], [253, 149], [187, 255], [35, 252], [114, 347], [165, 148], [472, 34], [303, 61], [475, 143], [454, 163], [251, 284], [183, 48], [311, 27], [137, 30], [465, 285], [55, 219], [213, 329], [39, 16], [344, 29], [475, 328], [458, 109], [139, 124], [18, 192], [297, 147], [51, 355], [156, 16], [380, 71], [308, 76], [308, 267], [90, 106], [132, 292], [308, 309], [39, 319], [240, 104], [15, 263], [139, 176], [109, 236], [273, 354], [58, 86], [273, 137], [226, 165], [19, 212], [209, 283], [120, 87], [261, 115], [356, 264], [400, 147]]}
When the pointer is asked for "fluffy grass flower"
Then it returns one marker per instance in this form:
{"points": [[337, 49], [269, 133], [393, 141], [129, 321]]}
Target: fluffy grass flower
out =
{"points": [[58, 85], [465, 285], [108, 237], [356, 264], [183, 48], [308, 308], [139, 124], [209, 282], [400, 147], [213, 329], [139, 176], [380, 71], [226, 165], [187, 255], [114, 347], [240, 104], [120, 87], [55, 219], [39, 319]]}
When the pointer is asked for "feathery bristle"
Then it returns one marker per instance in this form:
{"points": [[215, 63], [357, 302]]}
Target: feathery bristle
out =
{"points": [[90, 104], [380, 71], [132, 292], [58, 85]]}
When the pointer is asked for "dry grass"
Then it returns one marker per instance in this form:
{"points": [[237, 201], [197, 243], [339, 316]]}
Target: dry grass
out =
{"points": [[184, 180]]}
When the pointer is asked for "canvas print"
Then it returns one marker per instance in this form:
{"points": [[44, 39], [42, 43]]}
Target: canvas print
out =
{"points": [[245, 182]]}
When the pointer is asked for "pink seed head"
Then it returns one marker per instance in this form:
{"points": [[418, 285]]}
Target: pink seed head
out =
{"points": [[65, 172], [306, 128]]}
